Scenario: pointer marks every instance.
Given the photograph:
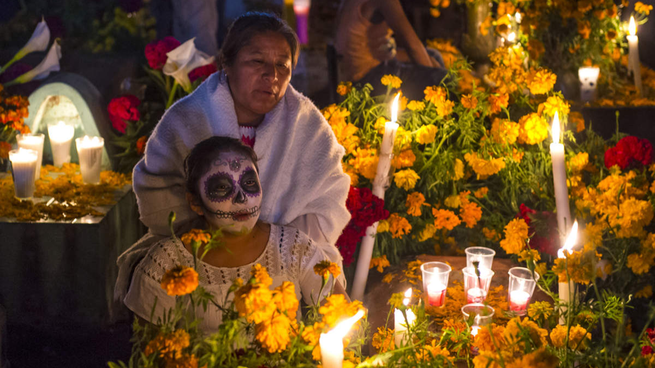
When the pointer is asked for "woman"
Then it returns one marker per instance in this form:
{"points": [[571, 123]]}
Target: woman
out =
{"points": [[250, 98], [364, 39]]}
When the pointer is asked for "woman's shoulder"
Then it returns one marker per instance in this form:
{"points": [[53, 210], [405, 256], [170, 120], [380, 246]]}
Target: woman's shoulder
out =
{"points": [[161, 257]]}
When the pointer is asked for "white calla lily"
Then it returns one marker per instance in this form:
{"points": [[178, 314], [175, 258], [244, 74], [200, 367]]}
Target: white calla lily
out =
{"points": [[47, 65], [183, 60], [38, 42]]}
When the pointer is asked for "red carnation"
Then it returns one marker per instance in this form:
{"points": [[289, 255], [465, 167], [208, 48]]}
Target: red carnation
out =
{"points": [[121, 109], [629, 151], [646, 350], [156, 51], [202, 72]]}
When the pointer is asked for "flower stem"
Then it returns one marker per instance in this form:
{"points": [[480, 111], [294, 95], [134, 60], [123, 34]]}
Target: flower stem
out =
{"points": [[171, 95]]}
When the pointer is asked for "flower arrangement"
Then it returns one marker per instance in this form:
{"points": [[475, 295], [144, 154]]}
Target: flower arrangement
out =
{"points": [[174, 70]]}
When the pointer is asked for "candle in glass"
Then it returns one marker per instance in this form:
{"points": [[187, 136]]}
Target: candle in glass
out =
{"points": [[400, 323], [61, 136], [435, 281], [89, 151], [483, 255], [566, 288], [23, 165], [482, 315], [588, 80], [476, 288], [521, 286], [634, 64], [559, 179], [331, 342], [33, 142]]}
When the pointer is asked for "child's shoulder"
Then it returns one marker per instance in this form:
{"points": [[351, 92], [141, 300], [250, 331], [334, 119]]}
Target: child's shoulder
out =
{"points": [[162, 256], [290, 236]]}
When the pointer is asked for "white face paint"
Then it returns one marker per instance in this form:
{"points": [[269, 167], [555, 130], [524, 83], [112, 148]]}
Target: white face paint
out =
{"points": [[231, 193]]}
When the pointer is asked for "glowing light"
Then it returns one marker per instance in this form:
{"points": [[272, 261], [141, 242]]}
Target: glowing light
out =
{"points": [[555, 130], [570, 241], [632, 27], [394, 109]]}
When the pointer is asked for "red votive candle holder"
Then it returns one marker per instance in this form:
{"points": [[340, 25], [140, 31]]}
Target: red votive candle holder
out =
{"points": [[477, 288], [521, 286], [435, 282]]}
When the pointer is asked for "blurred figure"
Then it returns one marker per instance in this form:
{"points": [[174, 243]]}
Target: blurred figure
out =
{"points": [[199, 19]]}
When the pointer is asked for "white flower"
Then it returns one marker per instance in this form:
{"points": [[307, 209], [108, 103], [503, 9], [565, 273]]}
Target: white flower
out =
{"points": [[49, 64], [183, 60], [38, 42]]}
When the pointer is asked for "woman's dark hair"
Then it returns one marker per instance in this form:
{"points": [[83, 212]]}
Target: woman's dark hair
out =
{"points": [[244, 28], [204, 153]]}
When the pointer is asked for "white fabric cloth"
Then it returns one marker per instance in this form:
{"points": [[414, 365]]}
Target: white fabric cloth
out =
{"points": [[299, 167], [289, 256]]}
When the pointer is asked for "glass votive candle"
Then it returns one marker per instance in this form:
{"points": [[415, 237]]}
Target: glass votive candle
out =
{"points": [[33, 142], [521, 287], [482, 315], [483, 255], [435, 282], [89, 151], [61, 136], [476, 288], [23, 164], [588, 81]]}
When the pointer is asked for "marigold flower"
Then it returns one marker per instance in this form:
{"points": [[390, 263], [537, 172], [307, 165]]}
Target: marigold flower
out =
{"points": [[168, 344], [541, 81], [533, 129], [398, 226], [404, 159], [427, 233], [579, 266], [433, 353], [344, 88], [540, 309], [253, 301], [416, 105], [445, 219], [383, 340], [414, 202], [584, 28], [406, 179], [180, 280], [484, 167], [470, 213], [196, 235], [337, 308], [469, 101], [481, 193], [539, 358], [490, 234], [327, 268], [643, 8], [645, 292], [284, 297], [552, 105], [434, 94], [483, 340], [261, 275], [379, 262], [641, 263], [391, 80], [365, 162], [577, 335], [579, 162], [383, 226], [516, 233], [497, 103], [516, 328], [504, 131], [274, 333], [458, 170], [426, 134]]}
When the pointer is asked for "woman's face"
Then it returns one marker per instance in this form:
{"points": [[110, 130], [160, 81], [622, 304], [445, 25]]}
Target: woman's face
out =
{"points": [[259, 76], [231, 193]]}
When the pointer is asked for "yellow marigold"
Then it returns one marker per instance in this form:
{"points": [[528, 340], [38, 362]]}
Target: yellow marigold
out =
{"points": [[196, 235], [398, 226], [284, 297], [469, 101], [483, 340], [403, 140], [577, 335], [261, 275], [414, 203], [497, 103], [433, 353], [383, 340], [416, 105], [540, 309], [311, 335], [335, 114], [484, 167], [168, 344], [354, 177], [434, 94], [516, 328], [336, 308], [529, 255], [445, 107], [643, 8], [580, 267], [584, 28], [180, 280], [365, 161], [533, 129], [254, 302], [379, 124], [344, 88], [481, 193], [426, 134], [645, 292], [470, 213], [458, 169], [579, 162], [346, 134], [453, 201], [541, 358], [490, 234], [491, 359], [552, 105], [506, 7], [406, 179], [541, 81], [427, 233], [379, 262], [504, 131], [406, 158], [641, 263], [388, 278], [516, 233], [327, 268], [383, 226], [274, 333], [485, 25], [445, 219], [391, 80]]}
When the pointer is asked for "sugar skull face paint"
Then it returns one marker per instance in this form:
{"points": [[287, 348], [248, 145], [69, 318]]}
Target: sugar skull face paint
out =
{"points": [[231, 193]]}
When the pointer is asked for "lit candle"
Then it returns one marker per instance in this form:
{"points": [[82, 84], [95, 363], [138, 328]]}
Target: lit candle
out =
{"points": [[588, 81], [33, 142], [436, 294], [475, 295], [566, 288], [301, 8], [89, 151], [23, 165], [634, 64], [332, 342], [380, 184], [522, 282], [400, 323], [518, 301], [61, 136], [559, 180], [482, 315]]}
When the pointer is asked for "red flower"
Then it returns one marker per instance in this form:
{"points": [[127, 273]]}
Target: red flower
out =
{"points": [[156, 51], [646, 350], [141, 145], [202, 72], [629, 151], [121, 109], [546, 224]]}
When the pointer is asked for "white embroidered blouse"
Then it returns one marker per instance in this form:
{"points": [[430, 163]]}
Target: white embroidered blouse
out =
{"points": [[289, 256]]}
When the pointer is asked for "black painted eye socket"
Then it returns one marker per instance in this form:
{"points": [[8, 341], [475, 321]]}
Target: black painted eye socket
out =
{"points": [[249, 182], [218, 187]]}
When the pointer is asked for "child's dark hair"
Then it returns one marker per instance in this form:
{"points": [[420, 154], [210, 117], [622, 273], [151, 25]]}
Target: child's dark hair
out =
{"points": [[204, 153]]}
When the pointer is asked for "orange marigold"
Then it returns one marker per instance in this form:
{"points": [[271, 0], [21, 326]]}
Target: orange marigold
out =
{"points": [[180, 280], [445, 219], [196, 235]]}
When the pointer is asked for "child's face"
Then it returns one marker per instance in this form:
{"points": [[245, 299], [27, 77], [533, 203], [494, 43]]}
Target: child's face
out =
{"points": [[231, 193]]}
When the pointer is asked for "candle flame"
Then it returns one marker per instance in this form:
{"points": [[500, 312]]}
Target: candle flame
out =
{"points": [[570, 240], [344, 326], [632, 27], [394, 108], [555, 130], [408, 296]]}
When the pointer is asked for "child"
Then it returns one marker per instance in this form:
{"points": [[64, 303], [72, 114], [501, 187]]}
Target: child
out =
{"points": [[223, 187]]}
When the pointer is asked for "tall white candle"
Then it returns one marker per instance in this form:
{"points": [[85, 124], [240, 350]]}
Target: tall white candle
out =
{"points": [[89, 151], [61, 136], [567, 288], [400, 323], [23, 165], [33, 142], [559, 180], [332, 342], [380, 184], [588, 82], [634, 64]]}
